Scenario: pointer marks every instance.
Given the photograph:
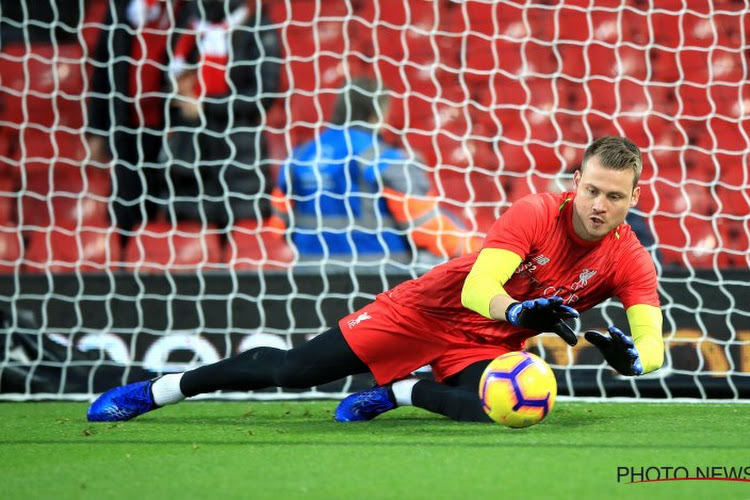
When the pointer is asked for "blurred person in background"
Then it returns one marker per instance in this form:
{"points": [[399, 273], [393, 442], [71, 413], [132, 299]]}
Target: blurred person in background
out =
{"points": [[127, 106], [226, 69], [349, 195]]}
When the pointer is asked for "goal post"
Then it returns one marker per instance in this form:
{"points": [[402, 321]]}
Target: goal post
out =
{"points": [[489, 101]]}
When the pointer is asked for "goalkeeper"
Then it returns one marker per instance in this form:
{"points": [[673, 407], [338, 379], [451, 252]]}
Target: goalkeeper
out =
{"points": [[547, 258]]}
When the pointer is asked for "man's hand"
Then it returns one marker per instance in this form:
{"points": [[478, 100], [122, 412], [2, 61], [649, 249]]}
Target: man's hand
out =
{"points": [[618, 350], [544, 315]]}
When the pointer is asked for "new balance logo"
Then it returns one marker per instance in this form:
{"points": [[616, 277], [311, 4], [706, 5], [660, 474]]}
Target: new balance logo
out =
{"points": [[541, 260], [359, 319]]}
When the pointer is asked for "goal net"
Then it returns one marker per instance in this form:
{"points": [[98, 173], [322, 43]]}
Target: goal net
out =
{"points": [[143, 146]]}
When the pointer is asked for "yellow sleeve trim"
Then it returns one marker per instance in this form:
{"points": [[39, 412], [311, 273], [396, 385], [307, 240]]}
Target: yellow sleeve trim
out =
{"points": [[646, 327], [493, 267]]}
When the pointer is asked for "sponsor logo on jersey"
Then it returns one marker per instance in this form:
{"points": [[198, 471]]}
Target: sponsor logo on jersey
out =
{"points": [[359, 319]]}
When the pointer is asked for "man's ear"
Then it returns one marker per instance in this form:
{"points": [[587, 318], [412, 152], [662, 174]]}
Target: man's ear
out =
{"points": [[636, 196], [576, 179]]}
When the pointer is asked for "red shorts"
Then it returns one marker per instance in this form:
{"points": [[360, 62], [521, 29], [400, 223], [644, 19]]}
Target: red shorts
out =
{"points": [[394, 341]]}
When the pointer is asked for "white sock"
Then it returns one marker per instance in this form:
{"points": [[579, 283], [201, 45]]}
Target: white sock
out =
{"points": [[166, 389], [402, 391]]}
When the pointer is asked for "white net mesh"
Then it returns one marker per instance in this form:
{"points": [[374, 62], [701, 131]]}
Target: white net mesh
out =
{"points": [[136, 231]]}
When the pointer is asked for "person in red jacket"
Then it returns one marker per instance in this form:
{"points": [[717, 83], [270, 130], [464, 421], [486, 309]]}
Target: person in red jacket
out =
{"points": [[126, 110], [227, 67], [547, 258]]}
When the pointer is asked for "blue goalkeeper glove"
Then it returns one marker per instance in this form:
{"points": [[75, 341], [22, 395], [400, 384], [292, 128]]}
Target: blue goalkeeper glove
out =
{"points": [[618, 350], [543, 315]]}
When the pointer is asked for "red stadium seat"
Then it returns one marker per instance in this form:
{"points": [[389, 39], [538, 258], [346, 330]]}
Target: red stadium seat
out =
{"points": [[728, 25], [693, 99], [184, 246], [643, 127], [635, 25], [602, 60], [573, 24], [604, 98], [573, 59], [540, 59], [8, 199], [683, 197], [517, 187], [667, 150], [541, 24], [484, 17], [470, 196], [55, 94], [668, 22], [734, 201], [607, 27], [688, 241], [545, 158], [735, 236], [702, 66], [85, 249], [663, 65], [10, 247], [663, 99], [313, 73], [254, 246], [65, 196], [729, 99], [403, 76]]}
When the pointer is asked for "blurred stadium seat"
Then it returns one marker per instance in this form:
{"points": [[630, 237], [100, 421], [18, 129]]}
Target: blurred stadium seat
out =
{"points": [[253, 246], [84, 249], [65, 196], [183, 246], [44, 85], [689, 241], [10, 247]]}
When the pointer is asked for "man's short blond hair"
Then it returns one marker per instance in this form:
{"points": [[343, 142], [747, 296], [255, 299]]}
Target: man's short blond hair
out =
{"points": [[616, 153]]}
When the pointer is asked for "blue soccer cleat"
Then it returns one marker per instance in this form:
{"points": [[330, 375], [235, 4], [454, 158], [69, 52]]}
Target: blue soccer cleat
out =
{"points": [[365, 405], [122, 403]]}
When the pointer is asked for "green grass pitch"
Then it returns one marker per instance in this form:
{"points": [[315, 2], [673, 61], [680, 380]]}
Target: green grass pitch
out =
{"points": [[287, 450]]}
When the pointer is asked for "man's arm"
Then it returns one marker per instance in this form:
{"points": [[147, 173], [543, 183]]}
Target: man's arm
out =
{"points": [[646, 328], [414, 206], [644, 353], [483, 293], [483, 290]]}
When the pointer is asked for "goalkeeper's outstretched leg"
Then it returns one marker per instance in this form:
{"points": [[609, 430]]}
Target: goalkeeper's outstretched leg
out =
{"points": [[323, 359]]}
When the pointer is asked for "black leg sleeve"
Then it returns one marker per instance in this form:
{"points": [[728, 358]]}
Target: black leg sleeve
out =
{"points": [[325, 358], [457, 398], [457, 403]]}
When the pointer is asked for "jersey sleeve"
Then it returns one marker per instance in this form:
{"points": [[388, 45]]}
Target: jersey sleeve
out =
{"points": [[489, 273], [635, 279], [518, 229], [646, 328]]}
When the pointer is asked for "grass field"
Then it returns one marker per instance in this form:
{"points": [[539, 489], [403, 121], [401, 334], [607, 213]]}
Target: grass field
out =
{"points": [[294, 450]]}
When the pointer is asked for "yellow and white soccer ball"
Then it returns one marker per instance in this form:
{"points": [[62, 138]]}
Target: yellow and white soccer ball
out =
{"points": [[518, 389]]}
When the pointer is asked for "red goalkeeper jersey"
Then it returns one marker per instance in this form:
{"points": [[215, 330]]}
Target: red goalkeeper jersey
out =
{"points": [[555, 261]]}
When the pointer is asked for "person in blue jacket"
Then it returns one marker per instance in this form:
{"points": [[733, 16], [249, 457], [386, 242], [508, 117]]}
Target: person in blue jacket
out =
{"points": [[348, 194]]}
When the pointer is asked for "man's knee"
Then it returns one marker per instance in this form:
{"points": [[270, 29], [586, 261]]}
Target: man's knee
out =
{"points": [[289, 370]]}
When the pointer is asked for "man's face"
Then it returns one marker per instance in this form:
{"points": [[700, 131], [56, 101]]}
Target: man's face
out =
{"points": [[603, 198]]}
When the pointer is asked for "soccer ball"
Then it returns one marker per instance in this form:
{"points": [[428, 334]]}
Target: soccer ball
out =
{"points": [[517, 389]]}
